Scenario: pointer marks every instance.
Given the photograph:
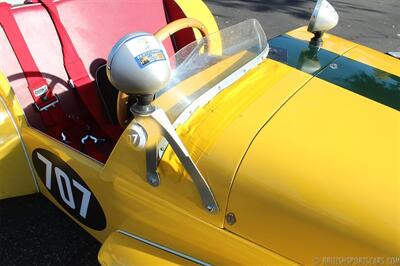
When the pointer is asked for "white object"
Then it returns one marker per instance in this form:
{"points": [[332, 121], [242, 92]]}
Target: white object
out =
{"points": [[138, 64], [323, 18], [394, 54]]}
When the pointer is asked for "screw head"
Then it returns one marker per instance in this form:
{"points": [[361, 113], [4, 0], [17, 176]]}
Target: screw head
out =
{"points": [[210, 208], [231, 218]]}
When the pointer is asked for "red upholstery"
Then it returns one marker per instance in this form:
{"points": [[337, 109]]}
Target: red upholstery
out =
{"points": [[33, 77], [94, 27]]}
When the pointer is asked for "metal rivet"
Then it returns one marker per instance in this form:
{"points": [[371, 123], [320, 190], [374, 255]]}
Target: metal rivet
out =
{"points": [[210, 208], [230, 218], [333, 66]]}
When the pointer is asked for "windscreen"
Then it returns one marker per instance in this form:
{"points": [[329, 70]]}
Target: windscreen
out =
{"points": [[206, 63]]}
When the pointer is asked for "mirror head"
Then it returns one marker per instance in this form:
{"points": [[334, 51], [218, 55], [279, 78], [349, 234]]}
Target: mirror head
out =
{"points": [[324, 18], [138, 65]]}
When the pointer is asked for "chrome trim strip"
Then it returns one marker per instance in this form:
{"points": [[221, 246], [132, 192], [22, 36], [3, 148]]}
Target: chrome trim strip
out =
{"points": [[164, 248], [214, 91], [218, 88], [22, 144]]}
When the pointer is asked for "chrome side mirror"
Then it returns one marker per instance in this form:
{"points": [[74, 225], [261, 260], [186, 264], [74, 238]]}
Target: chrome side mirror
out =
{"points": [[138, 65], [324, 18]]}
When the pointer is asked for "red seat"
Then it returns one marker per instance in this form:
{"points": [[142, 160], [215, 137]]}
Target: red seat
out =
{"points": [[94, 27]]}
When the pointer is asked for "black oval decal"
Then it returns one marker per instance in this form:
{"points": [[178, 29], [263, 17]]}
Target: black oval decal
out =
{"points": [[68, 188]]}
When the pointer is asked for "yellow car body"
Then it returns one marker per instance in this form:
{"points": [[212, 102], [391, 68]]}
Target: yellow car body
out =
{"points": [[302, 170]]}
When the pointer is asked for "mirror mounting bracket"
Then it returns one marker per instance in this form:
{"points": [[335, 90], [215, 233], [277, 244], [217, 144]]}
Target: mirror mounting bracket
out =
{"points": [[317, 41], [168, 132]]}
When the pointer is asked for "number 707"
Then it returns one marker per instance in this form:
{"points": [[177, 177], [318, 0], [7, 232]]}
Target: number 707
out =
{"points": [[63, 178]]}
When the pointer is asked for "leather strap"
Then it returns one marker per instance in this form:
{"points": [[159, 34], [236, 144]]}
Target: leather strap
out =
{"points": [[78, 75], [72, 62], [57, 124], [37, 85]]}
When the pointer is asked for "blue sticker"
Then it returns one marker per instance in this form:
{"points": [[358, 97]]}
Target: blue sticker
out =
{"points": [[149, 57]]}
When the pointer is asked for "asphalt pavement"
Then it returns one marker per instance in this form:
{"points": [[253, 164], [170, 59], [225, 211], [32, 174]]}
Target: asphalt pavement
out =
{"points": [[34, 232], [372, 23]]}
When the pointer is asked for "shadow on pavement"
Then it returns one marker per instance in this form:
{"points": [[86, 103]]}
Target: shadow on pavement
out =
{"points": [[34, 232], [294, 8]]}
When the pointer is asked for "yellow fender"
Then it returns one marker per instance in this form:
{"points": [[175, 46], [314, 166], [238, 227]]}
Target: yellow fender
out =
{"points": [[122, 249], [16, 175]]}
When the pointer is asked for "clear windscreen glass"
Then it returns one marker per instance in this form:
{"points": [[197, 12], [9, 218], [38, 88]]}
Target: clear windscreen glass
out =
{"points": [[204, 63]]}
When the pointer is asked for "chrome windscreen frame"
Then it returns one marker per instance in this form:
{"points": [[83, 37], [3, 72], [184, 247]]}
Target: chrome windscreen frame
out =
{"points": [[210, 94]]}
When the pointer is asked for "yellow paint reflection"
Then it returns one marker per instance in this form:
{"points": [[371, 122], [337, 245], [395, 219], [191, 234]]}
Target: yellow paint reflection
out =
{"points": [[15, 174]]}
